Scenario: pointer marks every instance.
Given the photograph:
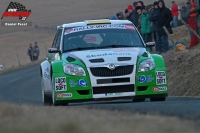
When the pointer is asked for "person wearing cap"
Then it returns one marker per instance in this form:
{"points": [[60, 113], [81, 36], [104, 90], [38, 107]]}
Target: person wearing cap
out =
{"points": [[174, 10], [164, 19], [154, 18], [192, 14], [132, 15]]}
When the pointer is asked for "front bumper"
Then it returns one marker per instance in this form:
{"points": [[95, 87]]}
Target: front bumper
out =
{"points": [[75, 91]]}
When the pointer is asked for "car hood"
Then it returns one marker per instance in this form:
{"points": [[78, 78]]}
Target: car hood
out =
{"points": [[105, 56]]}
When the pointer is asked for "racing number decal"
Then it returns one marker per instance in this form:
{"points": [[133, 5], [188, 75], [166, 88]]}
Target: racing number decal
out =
{"points": [[60, 84], [160, 77]]}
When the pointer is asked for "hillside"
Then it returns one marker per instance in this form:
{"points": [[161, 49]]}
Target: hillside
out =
{"points": [[183, 67]]}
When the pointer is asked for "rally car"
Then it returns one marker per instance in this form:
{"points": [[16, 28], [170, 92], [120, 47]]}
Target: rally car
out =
{"points": [[101, 60]]}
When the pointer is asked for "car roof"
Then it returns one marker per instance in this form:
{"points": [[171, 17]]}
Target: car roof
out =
{"points": [[94, 22]]}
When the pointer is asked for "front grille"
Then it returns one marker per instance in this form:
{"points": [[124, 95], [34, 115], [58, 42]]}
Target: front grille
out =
{"points": [[106, 72], [113, 89]]}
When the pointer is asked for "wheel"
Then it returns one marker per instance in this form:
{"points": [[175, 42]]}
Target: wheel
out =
{"points": [[157, 99], [45, 99], [138, 99], [54, 102]]}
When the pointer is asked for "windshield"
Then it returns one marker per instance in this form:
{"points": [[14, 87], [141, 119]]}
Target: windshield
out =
{"points": [[100, 38]]}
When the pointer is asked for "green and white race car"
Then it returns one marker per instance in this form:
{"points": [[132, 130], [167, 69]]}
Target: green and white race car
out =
{"points": [[101, 60]]}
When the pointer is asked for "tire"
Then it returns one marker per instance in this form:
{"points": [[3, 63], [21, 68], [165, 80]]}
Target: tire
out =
{"points": [[157, 99], [139, 100], [45, 99], [54, 102]]}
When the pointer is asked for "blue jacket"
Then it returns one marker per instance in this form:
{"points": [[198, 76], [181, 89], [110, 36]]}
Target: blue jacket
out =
{"points": [[134, 18], [154, 18]]}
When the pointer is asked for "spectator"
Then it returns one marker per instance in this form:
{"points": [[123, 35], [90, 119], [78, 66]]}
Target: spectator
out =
{"points": [[164, 19], [183, 13], [30, 51], [127, 14], [146, 26], [133, 15], [139, 12], [120, 16], [174, 10], [134, 4], [192, 14], [140, 3], [154, 18], [36, 51]]}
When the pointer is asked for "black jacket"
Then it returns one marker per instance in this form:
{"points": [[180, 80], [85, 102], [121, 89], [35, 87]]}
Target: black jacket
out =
{"points": [[164, 19]]}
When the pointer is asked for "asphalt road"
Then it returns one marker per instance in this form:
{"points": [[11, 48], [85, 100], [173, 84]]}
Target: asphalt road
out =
{"points": [[23, 87]]}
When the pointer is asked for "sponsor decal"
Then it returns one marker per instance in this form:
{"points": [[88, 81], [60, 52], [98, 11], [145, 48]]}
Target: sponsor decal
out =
{"points": [[157, 89], [72, 83], [107, 54], [46, 73], [114, 94], [129, 27], [89, 39], [68, 30], [146, 78], [57, 56], [160, 77], [64, 95], [93, 27], [59, 95], [82, 83], [124, 50], [60, 84]]}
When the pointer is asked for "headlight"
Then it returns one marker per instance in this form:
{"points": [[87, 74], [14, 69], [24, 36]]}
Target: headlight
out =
{"points": [[72, 69], [146, 65]]}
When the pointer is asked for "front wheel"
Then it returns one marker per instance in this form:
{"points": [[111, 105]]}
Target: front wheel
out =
{"points": [[157, 99], [45, 99]]}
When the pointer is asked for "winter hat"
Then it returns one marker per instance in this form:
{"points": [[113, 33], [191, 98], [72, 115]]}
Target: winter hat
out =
{"points": [[130, 7], [142, 3], [126, 11], [155, 3]]}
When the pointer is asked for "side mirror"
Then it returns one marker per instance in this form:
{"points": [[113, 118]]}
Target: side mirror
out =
{"points": [[53, 50], [150, 44]]}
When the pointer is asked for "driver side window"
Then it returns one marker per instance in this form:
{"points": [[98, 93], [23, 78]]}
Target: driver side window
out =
{"points": [[57, 39]]}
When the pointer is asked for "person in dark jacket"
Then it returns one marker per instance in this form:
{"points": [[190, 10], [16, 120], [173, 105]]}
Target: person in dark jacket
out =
{"points": [[164, 19], [184, 13], [30, 51], [133, 15], [154, 18], [127, 14], [36, 51], [120, 16]]}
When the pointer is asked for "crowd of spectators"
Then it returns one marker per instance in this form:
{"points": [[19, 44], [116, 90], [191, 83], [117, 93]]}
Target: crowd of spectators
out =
{"points": [[150, 20]]}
